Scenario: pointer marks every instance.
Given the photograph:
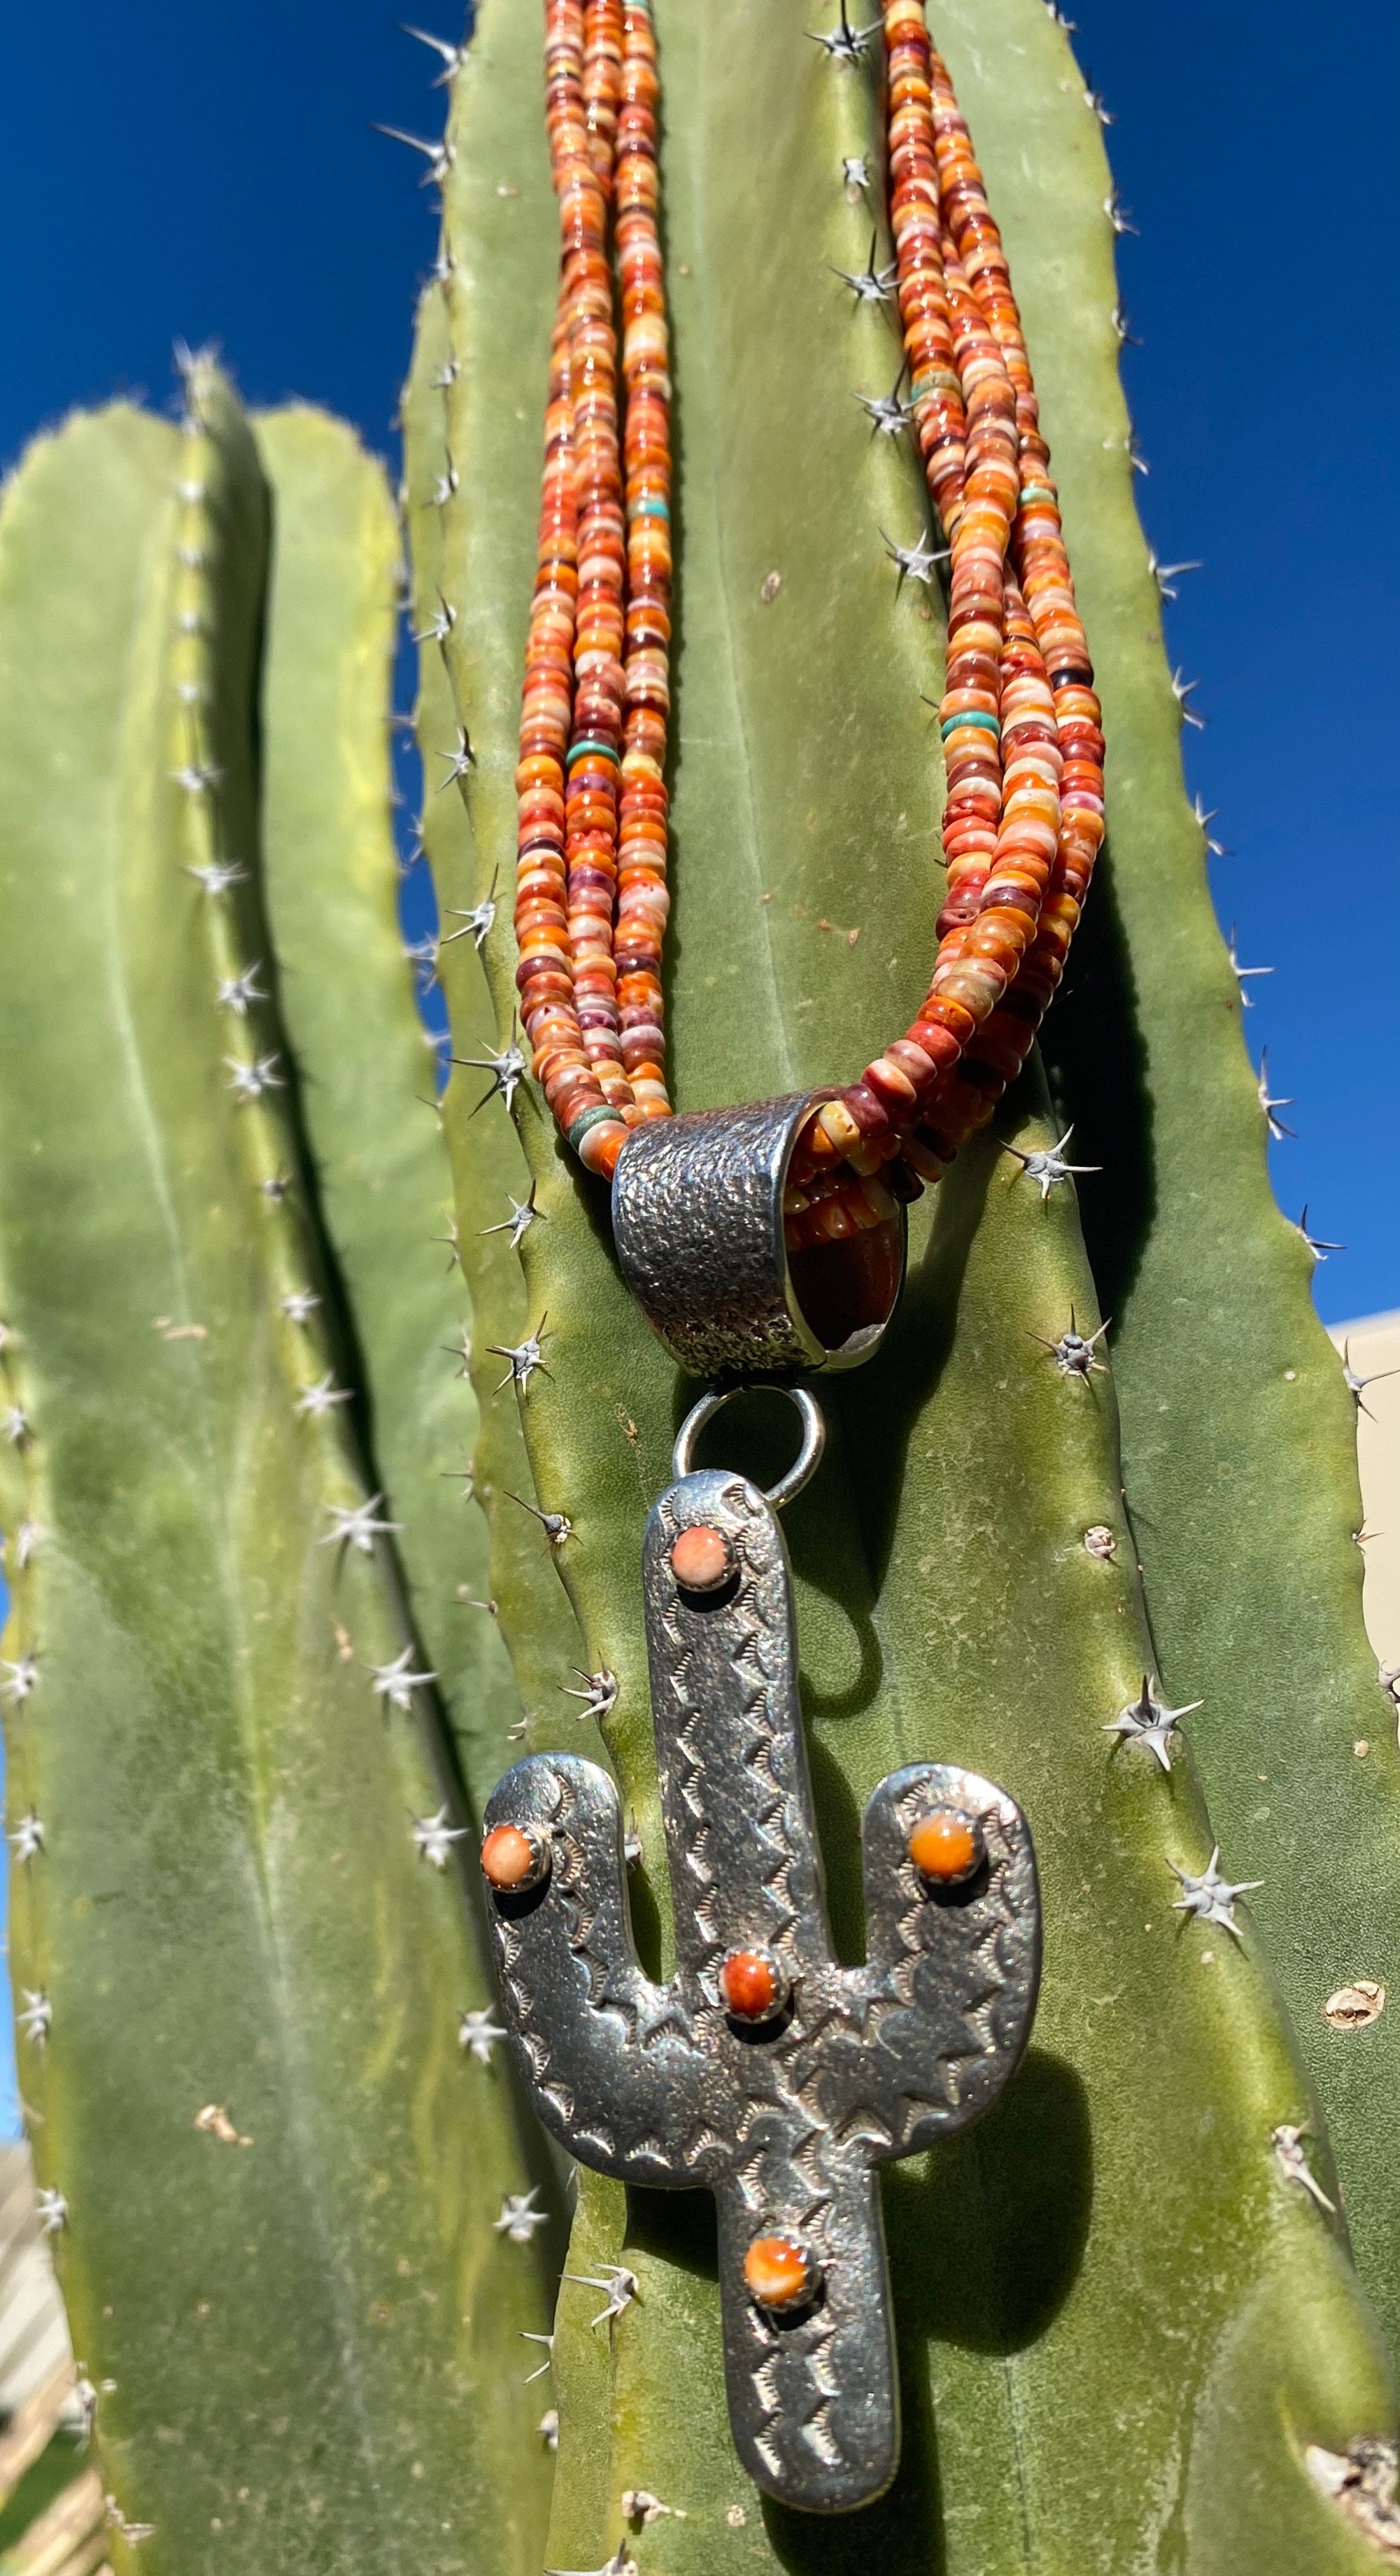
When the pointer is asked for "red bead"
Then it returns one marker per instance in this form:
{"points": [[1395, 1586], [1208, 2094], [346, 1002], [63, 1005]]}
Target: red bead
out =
{"points": [[780, 2273]]}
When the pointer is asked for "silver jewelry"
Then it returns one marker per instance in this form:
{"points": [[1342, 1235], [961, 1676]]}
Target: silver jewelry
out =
{"points": [[697, 1210], [765, 2071]]}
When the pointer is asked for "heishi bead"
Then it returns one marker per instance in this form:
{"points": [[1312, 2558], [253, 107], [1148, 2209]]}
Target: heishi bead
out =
{"points": [[1021, 726]]}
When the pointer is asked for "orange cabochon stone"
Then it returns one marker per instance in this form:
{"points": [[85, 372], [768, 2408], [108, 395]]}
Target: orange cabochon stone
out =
{"points": [[751, 1985], [777, 2271], [945, 1846], [702, 1558], [508, 1858]]}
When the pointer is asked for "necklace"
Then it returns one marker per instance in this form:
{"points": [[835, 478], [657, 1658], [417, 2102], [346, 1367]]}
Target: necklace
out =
{"points": [[742, 1281], [591, 898], [766, 1238]]}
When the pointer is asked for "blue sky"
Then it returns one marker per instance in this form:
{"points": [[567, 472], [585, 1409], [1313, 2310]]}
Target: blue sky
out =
{"points": [[211, 174], [1249, 145]]}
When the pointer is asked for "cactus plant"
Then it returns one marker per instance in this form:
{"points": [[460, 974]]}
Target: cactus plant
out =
{"points": [[253, 2128], [801, 760], [1127, 2325]]}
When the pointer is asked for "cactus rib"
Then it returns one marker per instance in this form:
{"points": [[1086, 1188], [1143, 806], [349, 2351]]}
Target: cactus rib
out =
{"points": [[544, 1640], [1239, 1438], [330, 881]]}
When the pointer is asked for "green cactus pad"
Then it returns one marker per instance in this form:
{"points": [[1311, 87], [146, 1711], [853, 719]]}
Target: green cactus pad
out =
{"points": [[543, 1637], [1122, 2319], [1238, 1432], [330, 876], [295, 2313]]}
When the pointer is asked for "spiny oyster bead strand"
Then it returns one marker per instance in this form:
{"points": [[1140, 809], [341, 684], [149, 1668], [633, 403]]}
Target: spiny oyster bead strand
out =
{"points": [[1043, 564], [591, 903], [1024, 812], [1023, 745]]}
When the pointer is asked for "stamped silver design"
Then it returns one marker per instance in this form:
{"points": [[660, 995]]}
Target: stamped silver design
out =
{"points": [[784, 2122], [697, 1210]]}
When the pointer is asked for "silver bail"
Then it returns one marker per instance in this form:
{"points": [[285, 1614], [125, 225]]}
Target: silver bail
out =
{"points": [[697, 1209]]}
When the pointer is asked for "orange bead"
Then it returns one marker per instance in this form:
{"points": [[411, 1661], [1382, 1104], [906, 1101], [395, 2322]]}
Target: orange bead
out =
{"points": [[753, 1985], [513, 1859], [597, 657], [946, 1847], [702, 1558], [779, 2272]]}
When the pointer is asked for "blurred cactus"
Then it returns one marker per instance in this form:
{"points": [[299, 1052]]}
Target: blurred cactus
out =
{"points": [[245, 1961], [263, 1671]]}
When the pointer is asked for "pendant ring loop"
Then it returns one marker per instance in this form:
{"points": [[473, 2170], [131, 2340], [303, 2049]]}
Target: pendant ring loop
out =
{"points": [[804, 1465]]}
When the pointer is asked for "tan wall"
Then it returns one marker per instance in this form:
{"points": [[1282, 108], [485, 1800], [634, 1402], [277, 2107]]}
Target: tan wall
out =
{"points": [[1373, 1347]]}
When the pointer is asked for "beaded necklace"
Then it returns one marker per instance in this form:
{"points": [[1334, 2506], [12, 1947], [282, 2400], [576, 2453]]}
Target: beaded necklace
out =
{"points": [[1023, 748], [760, 1239]]}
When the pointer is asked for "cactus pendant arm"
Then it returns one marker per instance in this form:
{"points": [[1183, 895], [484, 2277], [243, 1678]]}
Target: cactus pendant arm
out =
{"points": [[785, 2112]]}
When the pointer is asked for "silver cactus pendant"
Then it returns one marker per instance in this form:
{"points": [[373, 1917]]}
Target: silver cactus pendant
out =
{"points": [[765, 2071]]}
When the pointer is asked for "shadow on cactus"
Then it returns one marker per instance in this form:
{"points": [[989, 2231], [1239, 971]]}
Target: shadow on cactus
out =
{"points": [[775, 1815]]}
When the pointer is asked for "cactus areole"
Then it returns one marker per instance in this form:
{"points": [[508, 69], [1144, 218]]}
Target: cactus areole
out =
{"points": [[774, 1238], [764, 2072]]}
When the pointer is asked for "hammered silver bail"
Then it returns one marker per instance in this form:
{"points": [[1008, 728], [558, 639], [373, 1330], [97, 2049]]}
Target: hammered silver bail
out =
{"points": [[697, 1207]]}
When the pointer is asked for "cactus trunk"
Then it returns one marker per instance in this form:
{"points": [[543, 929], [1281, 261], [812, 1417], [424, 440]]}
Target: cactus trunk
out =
{"points": [[948, 1606], [241, 2047]]}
